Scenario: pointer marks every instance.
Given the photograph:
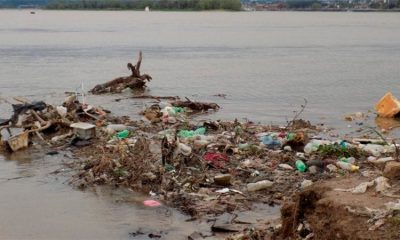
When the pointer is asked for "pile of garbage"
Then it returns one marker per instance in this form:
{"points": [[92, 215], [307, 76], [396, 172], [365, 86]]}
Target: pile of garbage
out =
{"points": [[203, 168], [208, 168], [71, 124]]}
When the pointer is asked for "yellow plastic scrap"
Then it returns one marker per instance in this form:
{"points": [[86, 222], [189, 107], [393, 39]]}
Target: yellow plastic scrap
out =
{"points": [[388, 106]]}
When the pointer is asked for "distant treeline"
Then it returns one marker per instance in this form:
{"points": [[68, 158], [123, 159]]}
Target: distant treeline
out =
{"points": [[22, 3], [233, 5]]}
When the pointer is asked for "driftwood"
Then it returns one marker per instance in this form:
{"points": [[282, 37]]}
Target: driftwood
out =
{"points": [[135, 81], [195, 106], [172, 98]]}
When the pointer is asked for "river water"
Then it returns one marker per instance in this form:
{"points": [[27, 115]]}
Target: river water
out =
{"points": [[265, 62]]}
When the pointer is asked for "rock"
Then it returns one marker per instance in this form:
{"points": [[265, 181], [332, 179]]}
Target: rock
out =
{"points": [[382, 184], [316, 162], [392, 170], [331, 168], [306, 183], [285, 166], [195, 236], [223, 179], [300, 155], [313, 169], [287, 148]]}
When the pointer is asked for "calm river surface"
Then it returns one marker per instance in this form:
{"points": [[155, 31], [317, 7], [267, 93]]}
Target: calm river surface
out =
{"points": [[266, 63]]}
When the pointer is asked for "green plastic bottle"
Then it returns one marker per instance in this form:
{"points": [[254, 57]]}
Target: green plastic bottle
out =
{"points": [[290, 136], [123, 134], [200, 131], [191, 133], [301, 166]]}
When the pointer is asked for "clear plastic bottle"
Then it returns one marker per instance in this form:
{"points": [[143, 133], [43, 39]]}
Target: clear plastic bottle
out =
{"points": [[347, 166], [251, 187]]}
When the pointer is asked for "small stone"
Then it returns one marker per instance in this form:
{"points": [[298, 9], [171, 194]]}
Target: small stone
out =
{"points": [[287, 148], [300, 155], [315, 162], [306, 183], [313, 169], [300, 227], [285, 166], [331, 168], [392, 170], [223, 179]]}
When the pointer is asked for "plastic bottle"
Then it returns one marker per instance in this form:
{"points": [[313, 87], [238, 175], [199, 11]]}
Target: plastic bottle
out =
{"points": [[290, 136], [344, 144], [200, 131], [177, 110], [350, 160], [271, 141], [347, 166], [301, 166], [314, 144], [189, 134], [310, 147], [251, 187], [123, 134], [113, 128]]}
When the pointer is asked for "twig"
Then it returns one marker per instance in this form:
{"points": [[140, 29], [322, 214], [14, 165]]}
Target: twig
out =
{"points": [[396, 154], [303, 106], [379, 134]]}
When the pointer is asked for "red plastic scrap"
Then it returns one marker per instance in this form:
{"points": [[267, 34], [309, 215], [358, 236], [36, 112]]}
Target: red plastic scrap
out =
{"points": [[216, 159]]}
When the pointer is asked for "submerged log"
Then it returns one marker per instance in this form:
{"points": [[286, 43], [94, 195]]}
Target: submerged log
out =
{"points": [[134, 81], [196, 106], [118, 85]]}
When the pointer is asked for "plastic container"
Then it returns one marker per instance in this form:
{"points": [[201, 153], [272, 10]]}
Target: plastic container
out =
{"points": [[62, 111], [252, 187], [19, 141], [84, 131], [388, 106], [301, 166]]}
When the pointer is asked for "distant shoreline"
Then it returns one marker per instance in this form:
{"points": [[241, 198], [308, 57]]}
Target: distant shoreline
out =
{"points": [[214, 10]]}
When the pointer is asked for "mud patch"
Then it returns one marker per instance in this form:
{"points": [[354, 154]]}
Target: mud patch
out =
{"points": [[321, 212]]}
